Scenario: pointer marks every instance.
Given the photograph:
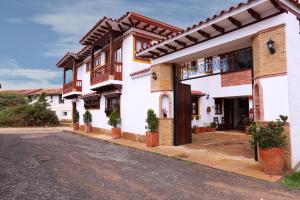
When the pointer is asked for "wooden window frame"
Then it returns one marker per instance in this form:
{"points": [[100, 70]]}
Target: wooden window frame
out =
{"points": [[196, 99], [88, 63], [143, 40], [219, 108], [92, 103]]}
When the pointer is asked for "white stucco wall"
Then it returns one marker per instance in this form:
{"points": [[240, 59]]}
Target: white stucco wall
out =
{"points": [[211, 85], [293, 60], [136, 97], [275, 97], [60, 108]]}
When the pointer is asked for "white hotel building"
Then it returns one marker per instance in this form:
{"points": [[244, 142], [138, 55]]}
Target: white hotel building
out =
{"points": [[242, 62]]}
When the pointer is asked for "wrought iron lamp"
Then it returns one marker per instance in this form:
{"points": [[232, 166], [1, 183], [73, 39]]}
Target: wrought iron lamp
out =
{"points": [[270, 45], [154, 76]]}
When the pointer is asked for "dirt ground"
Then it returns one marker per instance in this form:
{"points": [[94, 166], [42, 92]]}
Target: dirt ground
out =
{"points": [[60, 165]]}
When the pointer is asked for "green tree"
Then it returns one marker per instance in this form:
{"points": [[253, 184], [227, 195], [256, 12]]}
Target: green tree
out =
{"points": [[114, 118]]}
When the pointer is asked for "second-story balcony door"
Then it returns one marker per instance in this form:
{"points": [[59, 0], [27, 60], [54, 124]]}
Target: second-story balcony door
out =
{"points": [[118, 63]]}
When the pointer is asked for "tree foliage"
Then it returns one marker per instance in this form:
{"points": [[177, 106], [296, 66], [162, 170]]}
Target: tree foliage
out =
{"points": [[87, 117], [114, 118], [152, 121], [270, 135], [16, 111]]}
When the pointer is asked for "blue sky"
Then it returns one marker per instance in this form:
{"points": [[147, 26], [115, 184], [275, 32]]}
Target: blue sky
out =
{"points": [[35, 34]]}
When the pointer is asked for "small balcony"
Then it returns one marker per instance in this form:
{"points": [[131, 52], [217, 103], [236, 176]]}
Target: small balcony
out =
{"points": [[72, 90], [102, 76]]}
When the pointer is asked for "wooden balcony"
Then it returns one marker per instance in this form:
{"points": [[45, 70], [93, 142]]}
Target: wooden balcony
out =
{"points": [[103, 73], [71, 87]]}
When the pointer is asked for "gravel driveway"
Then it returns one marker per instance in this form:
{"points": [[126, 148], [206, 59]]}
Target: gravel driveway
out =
{"points": [[60, 165]]}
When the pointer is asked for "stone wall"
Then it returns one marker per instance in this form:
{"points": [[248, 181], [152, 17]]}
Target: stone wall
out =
{"points": [[165, 131], [264, 63], [164, 81]]}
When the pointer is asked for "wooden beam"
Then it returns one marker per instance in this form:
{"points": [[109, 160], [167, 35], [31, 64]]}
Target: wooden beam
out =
{"points": [[192, 39], [277, 5], [100, 31], [121, 28], [218, 28], [168, 34], [180, 43], [105, 27], [131, 22], [97, 34], [126, 24], [154, 53], [171, 47], [235, 21], [162, 31], [94, 37], [137, 23], [204, 34], [254, 14], [108, 24], [162, 50], [146, 26], [153, 29]]}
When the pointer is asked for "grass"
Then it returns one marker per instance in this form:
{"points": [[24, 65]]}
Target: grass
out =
{"points": [[292, 180]]}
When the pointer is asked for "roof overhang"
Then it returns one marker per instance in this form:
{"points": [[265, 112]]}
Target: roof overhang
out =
{"points": [[127, 21], [66, 61], [227, 21]]}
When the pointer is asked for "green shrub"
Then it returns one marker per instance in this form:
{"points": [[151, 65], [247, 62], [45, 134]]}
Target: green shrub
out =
{"points": [[114, 118], [11, 100], [25, 114], [152, 121], [87, 117], [76, 116], [270, 135], [292, 180]]}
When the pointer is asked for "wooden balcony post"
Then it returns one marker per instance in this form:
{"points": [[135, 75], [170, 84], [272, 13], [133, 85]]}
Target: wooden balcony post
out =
{"points": [[74, 74], [111, 53], [92, 62], [64, 80]]}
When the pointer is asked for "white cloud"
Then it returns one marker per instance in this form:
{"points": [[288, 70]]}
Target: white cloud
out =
{"points": [[16, 20], [72, 20], [14, 76]]}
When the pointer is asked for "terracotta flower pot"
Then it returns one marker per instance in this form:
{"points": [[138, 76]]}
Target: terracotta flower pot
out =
{"points": [[88, 128], [152, 139], [272, 160], [213, 129], [76, 126], [208, 129], [200, 130], [116, 133]]}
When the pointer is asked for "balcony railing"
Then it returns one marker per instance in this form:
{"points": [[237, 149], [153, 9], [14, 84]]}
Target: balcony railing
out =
{"points": [[103, 73], [71, 87]]}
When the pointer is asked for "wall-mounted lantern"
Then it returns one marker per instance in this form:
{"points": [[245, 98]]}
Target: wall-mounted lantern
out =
{"points": [[270, 45], [207, 96], [154, 76]]}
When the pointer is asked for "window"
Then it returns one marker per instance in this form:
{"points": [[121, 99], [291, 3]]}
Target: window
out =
{"points": [[64, 114], [97, 61], [103, 59], [139, 44], [51, 97], [195, 105], [238, 60], [92, 102], [88, 66], [60, 99], [118, 55], [218, 106], [112, 102]]}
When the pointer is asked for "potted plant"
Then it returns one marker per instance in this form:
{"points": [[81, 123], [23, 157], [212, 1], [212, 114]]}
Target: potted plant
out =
{"points": [[247, 123], [76, 120], [114, 120], [152, 137], [213, 126], [194, 129], [87, 119], [270, 138]]}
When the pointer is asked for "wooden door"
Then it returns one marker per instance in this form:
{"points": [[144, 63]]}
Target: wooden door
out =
{"points": [[229, 113], [183, 114]]}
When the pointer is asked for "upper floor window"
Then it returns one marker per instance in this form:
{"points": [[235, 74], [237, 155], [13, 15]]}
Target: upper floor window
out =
{"points": [[238, 60], [88, 66], [139, 44], [118, 55]]}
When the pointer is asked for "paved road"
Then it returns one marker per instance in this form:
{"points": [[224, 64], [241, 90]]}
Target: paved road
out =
{"points": [[60, 165]]}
